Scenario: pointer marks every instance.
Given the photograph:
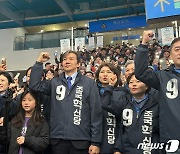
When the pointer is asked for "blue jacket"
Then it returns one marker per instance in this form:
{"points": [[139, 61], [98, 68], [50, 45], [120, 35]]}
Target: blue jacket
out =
{"points": [[136, 127], [167, 82], [109, 129], [76, 114]]}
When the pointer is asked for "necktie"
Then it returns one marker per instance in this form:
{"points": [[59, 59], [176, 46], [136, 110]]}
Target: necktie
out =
{"points": [[69, 81]]}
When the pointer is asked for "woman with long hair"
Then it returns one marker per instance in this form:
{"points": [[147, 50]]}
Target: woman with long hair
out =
{"points": [[28, 130]]}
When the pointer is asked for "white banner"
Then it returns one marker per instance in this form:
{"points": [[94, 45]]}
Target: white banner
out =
{"points": [[99, 41], [80, 43], [91, 42], [65, 45], [124, 34], [167, 35], [159, 36]]}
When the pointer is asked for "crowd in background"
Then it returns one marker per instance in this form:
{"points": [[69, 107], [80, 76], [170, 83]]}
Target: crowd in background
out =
{"points": [[101, 65], [118, 55]]}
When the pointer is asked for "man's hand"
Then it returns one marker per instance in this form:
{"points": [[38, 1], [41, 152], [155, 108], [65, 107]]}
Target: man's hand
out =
{"points": [[3, 67], [43, 57], [20, 140], [117, 153], [147, 37], [1, 121], [94, 149]]}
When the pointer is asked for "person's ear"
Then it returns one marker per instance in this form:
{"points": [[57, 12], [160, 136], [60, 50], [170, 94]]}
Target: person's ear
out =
{"points": [[170, 56], [78, 64], [146, 87]]}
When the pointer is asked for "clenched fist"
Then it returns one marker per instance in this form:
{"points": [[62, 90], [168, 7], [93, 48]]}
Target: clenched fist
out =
{"points": [[147, 37], [43, 57], [20, 140], [94, 149]]}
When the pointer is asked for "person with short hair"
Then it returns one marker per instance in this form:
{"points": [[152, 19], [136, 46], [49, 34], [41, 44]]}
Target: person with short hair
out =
{"points": [[89, 74], [76, 114], [129, 68], [47, 67], [167, 82], [139, 116], [103, 73], [50, 74]]}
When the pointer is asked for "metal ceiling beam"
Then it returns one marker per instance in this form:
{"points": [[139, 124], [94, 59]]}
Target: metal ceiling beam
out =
{"points": [[130, 6], [64, 6], [11, 15], [16, 17], [89, 11], [111, 12]]}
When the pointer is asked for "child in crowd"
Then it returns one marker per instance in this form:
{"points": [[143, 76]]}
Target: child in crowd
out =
{"points": [[28, 131]]}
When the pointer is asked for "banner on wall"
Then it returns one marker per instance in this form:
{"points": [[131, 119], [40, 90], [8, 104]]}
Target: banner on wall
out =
{"points": [[65, 45], [91, 42], [79, 43], [167, 35], [131, 37], [124, 34], [159, 36], [99, 41], [117, 24]]}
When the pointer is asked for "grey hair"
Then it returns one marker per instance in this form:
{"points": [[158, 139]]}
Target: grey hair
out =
{"points": [[128, 63]]}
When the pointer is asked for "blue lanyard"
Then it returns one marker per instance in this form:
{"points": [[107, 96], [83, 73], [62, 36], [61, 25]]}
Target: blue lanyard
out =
{"points": [[177, 70], [137, 111], [135, 103]]}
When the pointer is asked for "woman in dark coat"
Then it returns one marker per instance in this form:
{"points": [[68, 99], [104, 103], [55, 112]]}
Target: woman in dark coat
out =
{"points": [[103, 73], [7, 105]]}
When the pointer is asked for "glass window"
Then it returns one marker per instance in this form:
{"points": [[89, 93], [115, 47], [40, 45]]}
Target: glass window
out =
{"points": [[33, 41], [65, 34], [50, 40]]}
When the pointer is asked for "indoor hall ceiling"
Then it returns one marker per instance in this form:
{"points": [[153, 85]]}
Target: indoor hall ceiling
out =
{"points": [[24, 13]]}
